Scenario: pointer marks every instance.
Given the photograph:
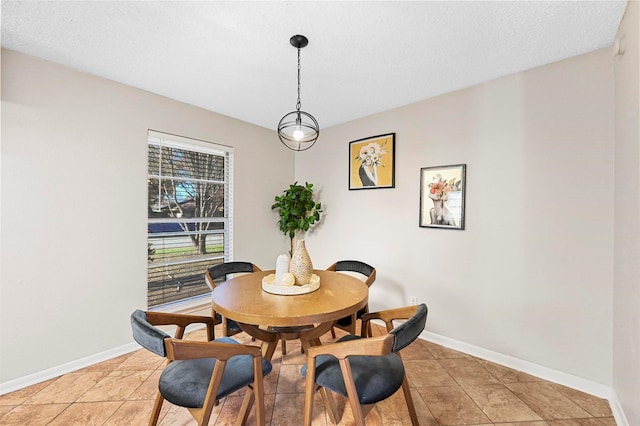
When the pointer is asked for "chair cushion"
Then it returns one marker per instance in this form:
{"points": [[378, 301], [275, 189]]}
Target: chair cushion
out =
{"points": [[376, 377], [185, 382]]}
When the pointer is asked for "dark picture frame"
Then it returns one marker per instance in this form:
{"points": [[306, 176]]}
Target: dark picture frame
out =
{"points": [[442, 196], [372, 162]]}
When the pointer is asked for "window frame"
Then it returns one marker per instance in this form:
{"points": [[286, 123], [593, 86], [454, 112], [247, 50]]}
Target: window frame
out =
{"points": [[163, 139]]}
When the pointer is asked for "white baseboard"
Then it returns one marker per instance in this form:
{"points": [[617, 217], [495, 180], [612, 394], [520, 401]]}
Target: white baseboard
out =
{"points": [[549, 374], [50, 373], [618, 413]]}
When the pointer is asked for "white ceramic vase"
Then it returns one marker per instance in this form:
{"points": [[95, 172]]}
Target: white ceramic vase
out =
{"points": [[301, 266]]}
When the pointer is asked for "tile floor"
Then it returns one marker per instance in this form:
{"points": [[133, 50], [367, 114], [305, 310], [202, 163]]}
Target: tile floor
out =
{"points": [[449, 388]]}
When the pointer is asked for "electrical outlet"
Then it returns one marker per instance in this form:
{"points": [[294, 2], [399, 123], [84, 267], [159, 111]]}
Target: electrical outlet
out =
{"points": [[413, 300]]}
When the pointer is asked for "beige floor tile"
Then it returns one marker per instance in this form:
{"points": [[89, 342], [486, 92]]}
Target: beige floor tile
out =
{"points": [[547, 402], [576, 422], [394, 411], [67, 388], [86, 414], [288, 409], [450, 405], [271, 379], [269, 401], [116, 386], [179, 416], [467, 371], [290, 380], [142, 360], [108, 365], [595, 406], [122, 391], [148, 389], [424, 414], [32, 415], [500, 404], [423, 373], [4, 409], [20, 396], [506, 374], [131, 413], [440, 352], [419, 349]]}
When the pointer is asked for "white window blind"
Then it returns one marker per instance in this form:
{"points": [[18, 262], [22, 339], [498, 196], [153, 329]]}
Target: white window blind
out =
{"points": [[189, 215]]}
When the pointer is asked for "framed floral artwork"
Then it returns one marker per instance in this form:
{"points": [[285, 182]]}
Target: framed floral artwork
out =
{"points": [[372, 162], [442, 194]]}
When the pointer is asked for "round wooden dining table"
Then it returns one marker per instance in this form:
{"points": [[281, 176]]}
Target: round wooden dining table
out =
{"points": [[271, 317]]}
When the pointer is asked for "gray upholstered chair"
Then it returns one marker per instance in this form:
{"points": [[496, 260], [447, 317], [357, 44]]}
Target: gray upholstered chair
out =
{"points": [[362, 271], [219, 273], [200, 373], [365, 370]]}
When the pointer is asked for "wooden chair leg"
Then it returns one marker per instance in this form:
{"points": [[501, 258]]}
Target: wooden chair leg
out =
{"points": [[352, 392], [330, 405], [310, 390], [157, 406], [409, 400], [247, 402], [284, 347]]}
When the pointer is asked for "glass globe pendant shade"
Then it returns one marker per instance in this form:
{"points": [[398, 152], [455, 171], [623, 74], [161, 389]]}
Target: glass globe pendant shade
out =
{"points": [[298, 130]]}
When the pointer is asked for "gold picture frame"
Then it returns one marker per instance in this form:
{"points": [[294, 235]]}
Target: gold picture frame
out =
{"points": [[372, 162]]}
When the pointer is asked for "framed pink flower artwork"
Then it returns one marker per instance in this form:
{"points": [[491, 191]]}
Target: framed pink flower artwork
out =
{"points": [[442, 194], [372, 162]]}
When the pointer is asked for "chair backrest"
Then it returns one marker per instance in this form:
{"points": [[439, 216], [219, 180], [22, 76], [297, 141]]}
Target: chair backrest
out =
{"points": [[355, 266], [409, 330], [148, 336], [221, 270]]}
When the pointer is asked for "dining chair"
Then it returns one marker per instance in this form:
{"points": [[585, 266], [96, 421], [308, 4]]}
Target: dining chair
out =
{"points": [[219, 273], [366, 370], [200, 373], [366, 273]]}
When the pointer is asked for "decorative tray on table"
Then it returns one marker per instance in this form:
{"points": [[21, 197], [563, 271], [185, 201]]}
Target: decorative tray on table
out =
{"points": [[269, 285]]}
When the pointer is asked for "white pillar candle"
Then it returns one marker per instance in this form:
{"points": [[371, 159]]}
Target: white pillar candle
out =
{"points": [[282, 266]]}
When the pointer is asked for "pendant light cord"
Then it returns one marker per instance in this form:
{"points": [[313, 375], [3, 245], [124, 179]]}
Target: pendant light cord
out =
{"points": [[298, 104]]}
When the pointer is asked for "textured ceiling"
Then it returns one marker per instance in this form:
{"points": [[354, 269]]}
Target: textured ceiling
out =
{"points": [[363, 57]]}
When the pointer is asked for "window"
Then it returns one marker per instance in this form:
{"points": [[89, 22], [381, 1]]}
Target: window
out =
{"points": [[189, 211]]}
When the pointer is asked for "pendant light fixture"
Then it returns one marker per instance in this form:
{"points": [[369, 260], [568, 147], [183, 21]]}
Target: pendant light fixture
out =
{"points": [[298, 130]]}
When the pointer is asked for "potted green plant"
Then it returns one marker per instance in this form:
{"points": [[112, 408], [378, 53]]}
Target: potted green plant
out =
{"points": [[298, 211]]}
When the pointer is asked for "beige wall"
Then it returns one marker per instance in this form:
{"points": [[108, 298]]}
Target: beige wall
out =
{"points": [[74, 206], [531, 275], [626, 325]]}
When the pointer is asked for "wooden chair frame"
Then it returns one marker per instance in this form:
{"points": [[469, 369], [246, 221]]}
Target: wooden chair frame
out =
{"points": [[367, 346], [351, 328], [178, 349]]}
